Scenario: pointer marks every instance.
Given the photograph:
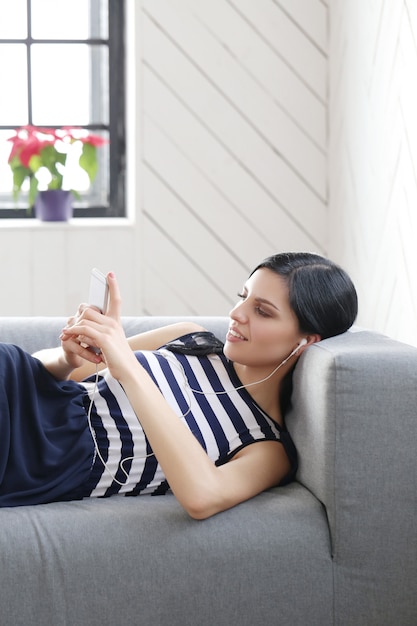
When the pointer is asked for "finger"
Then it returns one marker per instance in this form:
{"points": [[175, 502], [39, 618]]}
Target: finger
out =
{"points": [[81, 348], [85, 342], [73, 319], [81, 336], [115, 300], [88, 312], [91, 355], [82, 341], [87, 331]]}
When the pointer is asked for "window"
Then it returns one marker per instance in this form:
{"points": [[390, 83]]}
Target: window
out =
{"points": [[62, 64]]}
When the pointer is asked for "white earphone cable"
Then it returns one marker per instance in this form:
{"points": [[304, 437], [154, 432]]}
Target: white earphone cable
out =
{"points": [[186, 388], [96, 446]]}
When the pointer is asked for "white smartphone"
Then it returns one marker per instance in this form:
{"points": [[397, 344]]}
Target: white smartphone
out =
{"points": [[99, 290]]}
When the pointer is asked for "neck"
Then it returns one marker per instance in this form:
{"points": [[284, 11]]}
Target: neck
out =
{"points": [[256, 377], [264, 387]]}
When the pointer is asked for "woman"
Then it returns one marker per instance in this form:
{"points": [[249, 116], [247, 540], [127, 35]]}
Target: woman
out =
{"points": [[202, 406]]}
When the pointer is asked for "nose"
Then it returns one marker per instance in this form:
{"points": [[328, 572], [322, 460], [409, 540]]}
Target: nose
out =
{"points": [[238, 313]]}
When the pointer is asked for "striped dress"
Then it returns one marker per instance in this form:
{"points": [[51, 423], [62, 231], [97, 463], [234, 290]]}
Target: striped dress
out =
{"points": [[62, 440], [202, 392]]}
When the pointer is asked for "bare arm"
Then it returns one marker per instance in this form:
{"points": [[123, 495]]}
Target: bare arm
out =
{"points": [[57, 362], [149, 340], [202, 488], [63, 363]]}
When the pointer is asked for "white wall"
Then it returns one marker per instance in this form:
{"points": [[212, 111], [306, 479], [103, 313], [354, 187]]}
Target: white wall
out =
{"points": [[373, 157], [227, 163]]}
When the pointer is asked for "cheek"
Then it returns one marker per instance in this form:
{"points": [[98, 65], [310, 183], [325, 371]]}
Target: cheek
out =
{"points": [[272, 350], [267, 337], [275, 343]]}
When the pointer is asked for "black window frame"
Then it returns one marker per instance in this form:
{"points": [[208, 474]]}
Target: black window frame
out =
{"points": [[116, 127]]}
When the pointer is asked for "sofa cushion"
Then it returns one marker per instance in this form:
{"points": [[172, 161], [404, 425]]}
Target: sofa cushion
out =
{"points": [[142, 560]]}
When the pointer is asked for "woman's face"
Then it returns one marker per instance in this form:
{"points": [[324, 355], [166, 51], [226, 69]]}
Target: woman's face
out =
{"points": [[263, 328]]}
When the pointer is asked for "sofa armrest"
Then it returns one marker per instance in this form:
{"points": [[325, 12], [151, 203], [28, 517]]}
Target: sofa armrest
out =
{"points": [[354, 422]]}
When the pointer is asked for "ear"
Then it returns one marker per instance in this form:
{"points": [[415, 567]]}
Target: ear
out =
{"points": [[308, 341]]}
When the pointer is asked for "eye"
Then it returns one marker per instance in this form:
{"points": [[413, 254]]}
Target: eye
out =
{"points": [[258, 309], [261, 312]]}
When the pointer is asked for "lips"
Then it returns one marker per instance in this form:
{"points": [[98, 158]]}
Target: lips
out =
{"points": [[234, 333]]}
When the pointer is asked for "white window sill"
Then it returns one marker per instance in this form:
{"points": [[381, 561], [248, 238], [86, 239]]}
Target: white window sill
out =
{"points": [[75, 223]]}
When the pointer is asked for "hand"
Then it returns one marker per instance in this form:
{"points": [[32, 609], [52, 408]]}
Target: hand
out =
{"points": [[71, 344], [91, 329]]}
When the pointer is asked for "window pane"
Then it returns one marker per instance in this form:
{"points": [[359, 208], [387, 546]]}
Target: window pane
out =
{"points": [[65, 92], [13, 20], [65, 47], [13, 78], [69, 19]]}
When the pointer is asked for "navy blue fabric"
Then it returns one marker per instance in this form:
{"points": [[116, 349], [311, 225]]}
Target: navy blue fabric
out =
{"points": [[46, 449]]}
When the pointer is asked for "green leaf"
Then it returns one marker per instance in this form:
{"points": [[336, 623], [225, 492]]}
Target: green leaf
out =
{"points": [[20, 173], [15, 163], [35, 162], [50, 157], [56, 182], [33, 191], [88, 160]]}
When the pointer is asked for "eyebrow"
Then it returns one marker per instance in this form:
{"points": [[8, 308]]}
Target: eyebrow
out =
{"points": [[264, 301]]}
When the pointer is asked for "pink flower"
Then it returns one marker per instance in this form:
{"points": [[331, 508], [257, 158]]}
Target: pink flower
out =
{"points": [[26, 143], [36, 150], [93, 140]]}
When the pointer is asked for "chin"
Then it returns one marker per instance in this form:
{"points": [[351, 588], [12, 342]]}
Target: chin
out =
{"points": [[233, 351], [228, 351]]}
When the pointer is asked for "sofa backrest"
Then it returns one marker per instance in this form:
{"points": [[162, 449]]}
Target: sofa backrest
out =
{"points": [[35, 333]]}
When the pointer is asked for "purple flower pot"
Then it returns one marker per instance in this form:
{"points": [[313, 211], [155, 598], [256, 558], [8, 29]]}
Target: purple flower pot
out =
{"points": [[54, 205]]}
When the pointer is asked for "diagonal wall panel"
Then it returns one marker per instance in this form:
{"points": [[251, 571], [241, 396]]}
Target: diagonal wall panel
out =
{"points": [[233, 134]]}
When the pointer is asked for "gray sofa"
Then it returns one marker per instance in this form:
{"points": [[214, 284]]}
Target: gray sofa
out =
{"points": [[336, 547]]}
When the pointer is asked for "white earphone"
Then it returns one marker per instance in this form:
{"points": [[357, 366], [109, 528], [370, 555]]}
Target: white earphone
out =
{"points": [[302, 343]]}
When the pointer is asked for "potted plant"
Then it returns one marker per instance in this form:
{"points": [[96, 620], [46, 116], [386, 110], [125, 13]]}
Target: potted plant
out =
{"points": [[44, 153]]}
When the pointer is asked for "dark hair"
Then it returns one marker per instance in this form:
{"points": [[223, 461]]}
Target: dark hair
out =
{"points": [[321, 294]]}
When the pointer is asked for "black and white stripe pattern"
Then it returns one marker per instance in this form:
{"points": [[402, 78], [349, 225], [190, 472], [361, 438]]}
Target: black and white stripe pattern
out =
{"points": [[201, 390]]}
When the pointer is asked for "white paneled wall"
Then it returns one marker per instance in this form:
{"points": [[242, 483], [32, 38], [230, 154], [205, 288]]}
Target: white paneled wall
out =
{"points": [[229, 107], [227, 158], [45, 268], [234, 143], [373, 157]]}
